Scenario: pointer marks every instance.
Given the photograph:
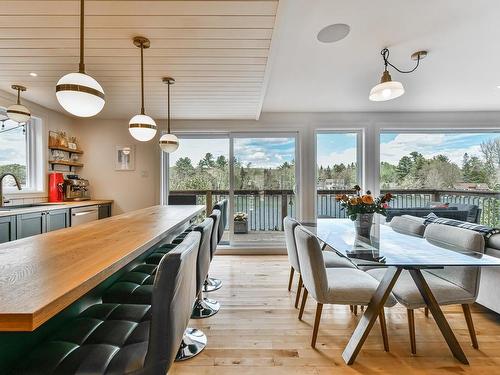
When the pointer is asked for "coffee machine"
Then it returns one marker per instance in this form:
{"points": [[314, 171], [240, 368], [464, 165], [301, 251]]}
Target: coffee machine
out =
{"points": [[76, 189]]}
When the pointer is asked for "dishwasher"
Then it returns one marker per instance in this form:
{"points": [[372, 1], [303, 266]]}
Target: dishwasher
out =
{"points": [[83, 215]]}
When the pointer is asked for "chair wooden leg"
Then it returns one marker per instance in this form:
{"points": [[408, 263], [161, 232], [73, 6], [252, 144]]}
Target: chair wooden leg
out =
{"points": [[303, 304], [411, 328], [291, 278], [351, 307], [470, 325], [426, 312], [319, 309], [355, 310], [362, 308], [383, 328], [299, 290]]}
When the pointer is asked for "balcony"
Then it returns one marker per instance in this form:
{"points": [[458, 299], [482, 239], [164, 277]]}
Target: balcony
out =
{"points": [[267, 208]]}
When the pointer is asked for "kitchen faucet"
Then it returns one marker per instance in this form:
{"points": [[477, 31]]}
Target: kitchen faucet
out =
{"points": [[1, 185]]}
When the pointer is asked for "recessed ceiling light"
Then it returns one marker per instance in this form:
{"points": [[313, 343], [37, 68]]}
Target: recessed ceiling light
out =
{"points": [[33, 74], [334, 33], [498, 87]]}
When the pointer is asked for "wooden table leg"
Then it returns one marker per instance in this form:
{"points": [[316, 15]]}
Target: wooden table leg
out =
{"points": [[371, 314], [438, 315]]}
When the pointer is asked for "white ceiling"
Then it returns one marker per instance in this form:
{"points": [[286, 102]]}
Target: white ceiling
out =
{"points": [[216, 50], [219, 53], [461, 72]]}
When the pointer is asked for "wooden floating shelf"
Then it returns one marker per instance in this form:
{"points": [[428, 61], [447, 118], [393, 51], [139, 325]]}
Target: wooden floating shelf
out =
{"points": [[67, 149], [68, 163]]}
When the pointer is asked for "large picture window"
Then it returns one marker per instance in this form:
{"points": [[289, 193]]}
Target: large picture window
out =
{"points": [[425, 169], [337, 169]]}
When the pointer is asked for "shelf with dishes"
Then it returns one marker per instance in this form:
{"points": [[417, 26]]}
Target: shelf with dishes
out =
{"points": [[64, 150]]}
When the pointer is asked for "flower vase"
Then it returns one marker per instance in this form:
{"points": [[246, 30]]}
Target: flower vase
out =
{"points": [[363, 225]]}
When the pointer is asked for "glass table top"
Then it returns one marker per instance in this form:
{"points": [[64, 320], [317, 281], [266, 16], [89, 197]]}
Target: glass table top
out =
{"points": [[386, 247]]}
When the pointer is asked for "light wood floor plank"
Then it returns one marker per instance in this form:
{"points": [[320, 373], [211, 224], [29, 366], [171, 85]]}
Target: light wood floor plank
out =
{"points": [[257, 332]]}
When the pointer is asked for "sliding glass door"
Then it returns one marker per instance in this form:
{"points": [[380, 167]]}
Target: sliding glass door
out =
{"points": [[257, 174], [263, 187]]}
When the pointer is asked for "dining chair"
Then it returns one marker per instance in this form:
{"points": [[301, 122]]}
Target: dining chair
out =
{"points": [[449, 285], [337, 286], [331, 259]]}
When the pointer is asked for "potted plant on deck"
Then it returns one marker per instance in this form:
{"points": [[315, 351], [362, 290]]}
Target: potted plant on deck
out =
{"points": [[361, 207], [240, 223]]}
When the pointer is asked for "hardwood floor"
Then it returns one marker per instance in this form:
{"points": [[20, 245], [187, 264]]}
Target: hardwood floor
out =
{"points": [[257, 332]]}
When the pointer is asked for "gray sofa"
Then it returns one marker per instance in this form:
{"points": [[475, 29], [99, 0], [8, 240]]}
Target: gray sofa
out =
{"points": [[489, 293], [457, 211]]}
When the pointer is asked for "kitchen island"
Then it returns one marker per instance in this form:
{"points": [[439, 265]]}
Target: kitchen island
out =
{"points": [[40, 276]]}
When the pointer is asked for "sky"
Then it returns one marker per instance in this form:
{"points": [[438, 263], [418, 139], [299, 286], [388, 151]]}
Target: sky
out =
{"points": [[335, 148], [260, 152], [12, 146]]}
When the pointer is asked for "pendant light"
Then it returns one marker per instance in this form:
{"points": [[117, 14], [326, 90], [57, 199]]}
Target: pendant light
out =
{"points": [[142, 127], [78, 93], [388, 89], [168, 142], [18, 112]]}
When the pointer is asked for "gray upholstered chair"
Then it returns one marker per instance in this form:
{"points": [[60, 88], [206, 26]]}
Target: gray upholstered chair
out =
{"points": [[450, 285], [339, 286], [113, 338], [211, 283], [331, 259]]}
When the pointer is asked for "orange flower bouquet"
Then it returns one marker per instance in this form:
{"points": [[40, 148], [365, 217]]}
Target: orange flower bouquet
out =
{"points": [[363, 203]]}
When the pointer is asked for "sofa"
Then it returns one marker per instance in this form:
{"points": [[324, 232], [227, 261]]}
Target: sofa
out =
{"points": [[457, 211], [489, 293]]}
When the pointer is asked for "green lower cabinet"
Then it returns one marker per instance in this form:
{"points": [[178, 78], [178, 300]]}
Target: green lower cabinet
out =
{"points": [[57, 219], [7, 229], [31, 224], [34, 223]]}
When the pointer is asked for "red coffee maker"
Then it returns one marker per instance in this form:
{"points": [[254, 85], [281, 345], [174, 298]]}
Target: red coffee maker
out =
{"points": [[56, 181]]}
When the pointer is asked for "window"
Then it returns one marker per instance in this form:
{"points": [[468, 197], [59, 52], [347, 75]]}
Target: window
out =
{"points": [[337, 169], [450, 168], [18, 151]]}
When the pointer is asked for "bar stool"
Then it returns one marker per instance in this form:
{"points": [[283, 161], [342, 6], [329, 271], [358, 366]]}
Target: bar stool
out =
{"points": [[136, 287], [109, 338], [211, 283]]}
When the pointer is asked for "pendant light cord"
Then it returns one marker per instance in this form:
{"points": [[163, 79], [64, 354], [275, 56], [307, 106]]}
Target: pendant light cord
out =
{"points": [[18, 96], [385, 56], [82, 36], [142, 78], [168, 108]]}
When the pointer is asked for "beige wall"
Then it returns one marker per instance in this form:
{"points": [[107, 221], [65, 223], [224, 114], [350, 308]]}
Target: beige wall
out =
{"points": [[130, 190]]}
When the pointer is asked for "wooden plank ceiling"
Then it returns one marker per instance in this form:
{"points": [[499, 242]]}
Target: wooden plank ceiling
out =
{"points": [[216, 50]]}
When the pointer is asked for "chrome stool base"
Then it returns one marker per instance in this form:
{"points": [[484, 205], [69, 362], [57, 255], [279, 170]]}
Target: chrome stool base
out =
{"points": [[204, 308], [193, 343], [211, 284]]}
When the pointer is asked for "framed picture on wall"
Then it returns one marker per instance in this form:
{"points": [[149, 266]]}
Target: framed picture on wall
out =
{"points": [[125, 158]]}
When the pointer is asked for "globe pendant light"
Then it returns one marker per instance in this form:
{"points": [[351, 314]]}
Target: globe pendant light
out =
{"points": [[78, 93], [18, 112], [168, 142], [388, 89], [142, 127]]}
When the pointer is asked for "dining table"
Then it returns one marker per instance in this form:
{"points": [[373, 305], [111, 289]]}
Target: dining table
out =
{"points": [[396, 252]]}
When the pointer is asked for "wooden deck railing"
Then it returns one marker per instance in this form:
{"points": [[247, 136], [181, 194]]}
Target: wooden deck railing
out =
{"points": [[267, 208]]}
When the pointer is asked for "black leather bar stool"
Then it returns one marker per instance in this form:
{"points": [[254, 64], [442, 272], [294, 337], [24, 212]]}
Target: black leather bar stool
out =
{"points": [[211, 283], [136, 286], [130, 339]]}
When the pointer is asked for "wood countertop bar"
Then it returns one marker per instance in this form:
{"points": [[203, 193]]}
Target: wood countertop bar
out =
{"points": [[42, 275]]}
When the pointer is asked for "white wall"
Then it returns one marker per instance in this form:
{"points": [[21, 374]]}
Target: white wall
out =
{"points": [[130, 190]]}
